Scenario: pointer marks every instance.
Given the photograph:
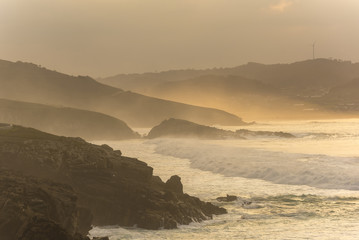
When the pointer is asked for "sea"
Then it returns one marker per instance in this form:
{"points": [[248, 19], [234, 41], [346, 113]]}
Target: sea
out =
{"points": [[305, 187]]}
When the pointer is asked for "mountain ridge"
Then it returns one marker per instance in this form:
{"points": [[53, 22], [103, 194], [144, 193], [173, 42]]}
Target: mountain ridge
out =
{"points": [[279, 91], [30, 83]]}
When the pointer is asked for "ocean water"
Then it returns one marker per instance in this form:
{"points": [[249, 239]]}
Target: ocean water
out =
{"points": [[301, 188]]}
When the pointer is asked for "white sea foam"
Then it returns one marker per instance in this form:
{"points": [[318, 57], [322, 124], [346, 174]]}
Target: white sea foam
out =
{"points": [[324, 155], [316, 170]]}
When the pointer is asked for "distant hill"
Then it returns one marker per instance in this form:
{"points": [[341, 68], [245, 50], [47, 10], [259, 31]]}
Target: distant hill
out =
{"points": [[141, 82], [246, 97], [253, 91], [249, 98], [343, 97], [31, 83], [346, 92], [310, 77], [65, 121], [306, 78]]}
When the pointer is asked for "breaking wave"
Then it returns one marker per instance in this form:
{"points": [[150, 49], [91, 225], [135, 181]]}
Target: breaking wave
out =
{"points": [[316, 170]]}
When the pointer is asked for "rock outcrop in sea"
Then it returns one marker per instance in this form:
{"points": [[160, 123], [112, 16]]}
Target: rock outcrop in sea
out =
{"points": [[82, 184], [178, 128], [249, 133], [185, 129], [228, 198]]}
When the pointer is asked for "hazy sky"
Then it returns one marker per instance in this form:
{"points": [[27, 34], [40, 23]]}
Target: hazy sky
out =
{"points": [[106, 37]]}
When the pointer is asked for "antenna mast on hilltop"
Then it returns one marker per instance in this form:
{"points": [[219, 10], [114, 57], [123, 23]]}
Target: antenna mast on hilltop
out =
{"points": [[313, 50]]}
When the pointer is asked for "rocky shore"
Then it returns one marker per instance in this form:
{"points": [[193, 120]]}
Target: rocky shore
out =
{"points": [[71, 184], [35, 208]]}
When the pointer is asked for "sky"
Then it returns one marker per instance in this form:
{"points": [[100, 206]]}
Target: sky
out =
{"points": [[102, 38]]}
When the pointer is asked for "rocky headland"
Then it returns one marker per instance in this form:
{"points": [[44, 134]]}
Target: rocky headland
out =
{"points": [[67, 185], [178, 128], [65, 121]]}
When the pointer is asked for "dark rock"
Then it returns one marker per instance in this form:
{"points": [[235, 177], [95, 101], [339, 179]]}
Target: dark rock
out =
{"points": [[185, 129], [43, 229], [107, 147], [100, 238], [248, 133], [116, 190], [228, 198], [5, 125], [118, 152], [38, 209], [174, 184]]}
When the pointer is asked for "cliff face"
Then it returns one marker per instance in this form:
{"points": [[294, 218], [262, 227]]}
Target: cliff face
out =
{"points": [[33, 208], [115, 189]]}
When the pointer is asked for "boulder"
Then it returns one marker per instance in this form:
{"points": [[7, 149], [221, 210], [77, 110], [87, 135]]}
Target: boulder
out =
{"points": [[174, 184], [228, 198]]}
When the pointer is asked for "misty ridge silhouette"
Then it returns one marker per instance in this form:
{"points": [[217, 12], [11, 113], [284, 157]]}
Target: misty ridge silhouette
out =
{"points": [[300, 90], [30, 83], [311, 89], [178, 128], [65, 121]]}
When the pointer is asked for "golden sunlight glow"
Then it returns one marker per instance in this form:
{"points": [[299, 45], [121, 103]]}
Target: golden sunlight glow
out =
{"points": [[281, 6]]}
